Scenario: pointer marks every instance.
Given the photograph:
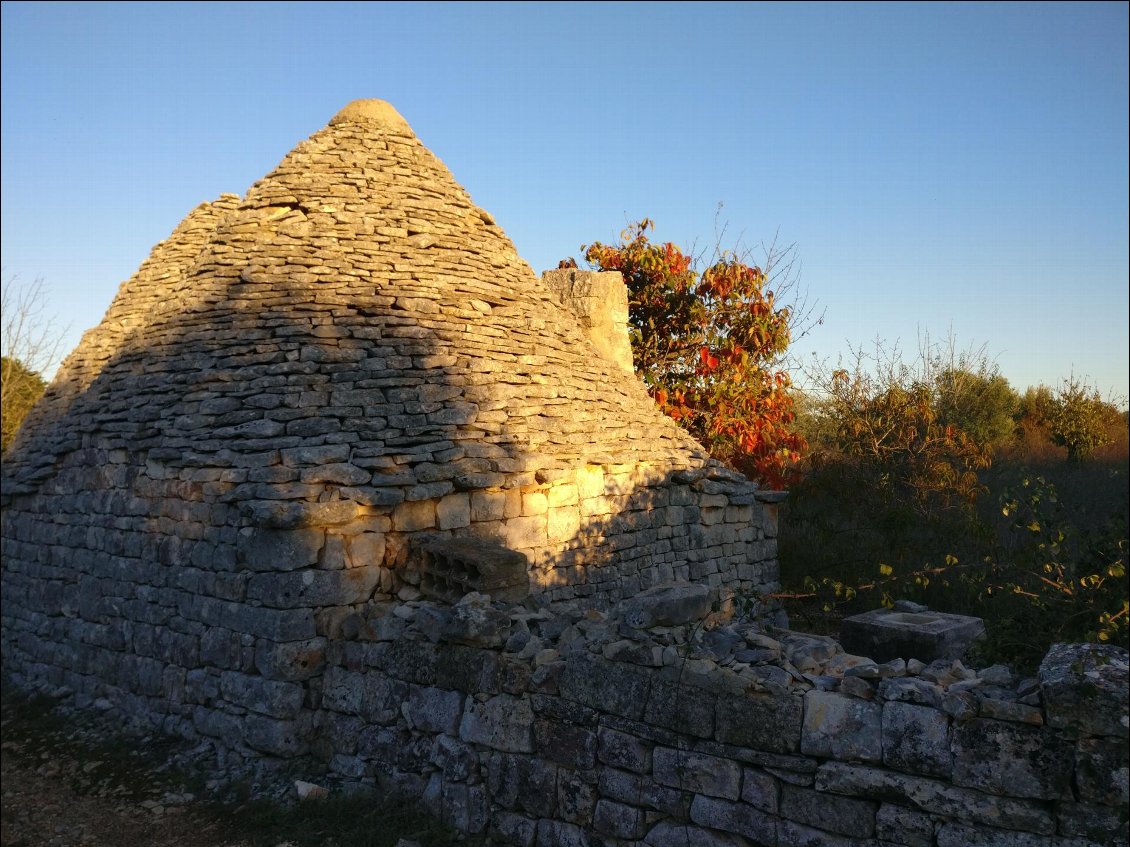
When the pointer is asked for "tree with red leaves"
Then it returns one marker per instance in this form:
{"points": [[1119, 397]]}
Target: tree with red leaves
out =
{"points": [[708, 346]]}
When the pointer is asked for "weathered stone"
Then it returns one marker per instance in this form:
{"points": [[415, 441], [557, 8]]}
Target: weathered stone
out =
{"points": [[433, 709], [737, 818], [760, 721], [761, 790], [933, 796], [642, 791], [618, 820], [502, 723], [842, 815], [565, 743], [911, 690], [696, 772], [294, 660], [916, 739], [1098, 823], [1028, 761], [1102, 772], [885, 634], [667, 605], [622, 750], [281, 550], [610, 686], [958, 835], [1084, 687], [668, 834], [313, 588], [841, 727], [684, 708], [900, 825]]}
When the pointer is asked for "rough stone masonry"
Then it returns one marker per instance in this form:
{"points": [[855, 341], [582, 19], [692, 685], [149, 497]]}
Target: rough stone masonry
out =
{"points": [[337, 475]]}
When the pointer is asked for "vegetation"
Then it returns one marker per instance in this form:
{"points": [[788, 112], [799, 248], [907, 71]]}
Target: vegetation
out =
{"points": [[29, 344], [709, 347], [935, 481]]}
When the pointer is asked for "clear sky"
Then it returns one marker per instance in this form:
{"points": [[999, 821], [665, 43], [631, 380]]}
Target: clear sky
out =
{"points": [[942, 169]]}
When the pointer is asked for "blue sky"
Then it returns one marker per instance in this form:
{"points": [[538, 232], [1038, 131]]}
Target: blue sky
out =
{"points": [[942, 169]]}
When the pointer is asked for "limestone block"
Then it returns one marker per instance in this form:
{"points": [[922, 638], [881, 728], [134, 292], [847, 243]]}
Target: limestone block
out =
{"points": [[524, 782], [340, 473], [844, 815], [916, 739], [760, 721], [280, 549], [1026, 761], [488, 505], [562, 524], [618, 820], [1102, 771], [935, 797], [622, 750], [760, 790], [468, 669], [683, 708], [697, 772], [551, 832], [454, 511], [1092, 822], [839, 727], [523, 532], [599, 300], [667, 605], [502, 723], [414, 515], [293, 660], [269, 697], [642, 791], [903, 826], [513, 829], [885, 634], [565, 743], [284, 738], [910, 689], [432, 710], [313, 588], [608, 686], [1084, 688], [734, 817], [282, 514], [475, 623], [961, 835], [576, 797], [671, 834], [274, 624], [366, 550], [534, 503]]}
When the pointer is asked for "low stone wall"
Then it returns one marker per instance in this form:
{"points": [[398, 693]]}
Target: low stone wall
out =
{"points": [[568, 729], [666, 722]]}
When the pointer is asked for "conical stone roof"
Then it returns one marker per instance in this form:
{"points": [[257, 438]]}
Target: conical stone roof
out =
{"points": [[354, 350]]}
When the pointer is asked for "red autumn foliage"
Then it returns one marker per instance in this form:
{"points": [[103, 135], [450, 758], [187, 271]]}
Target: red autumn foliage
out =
{"points": [[708, 347]]}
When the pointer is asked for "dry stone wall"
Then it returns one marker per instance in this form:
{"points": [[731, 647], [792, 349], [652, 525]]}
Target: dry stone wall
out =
{"points": [[579, 728]]}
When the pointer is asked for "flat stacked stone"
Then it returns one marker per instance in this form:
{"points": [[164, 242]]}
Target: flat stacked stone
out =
{"points": [[297, 392]]}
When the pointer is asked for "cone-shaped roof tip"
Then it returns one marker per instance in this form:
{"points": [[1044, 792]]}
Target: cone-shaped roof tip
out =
{"points": [[377, 112]]}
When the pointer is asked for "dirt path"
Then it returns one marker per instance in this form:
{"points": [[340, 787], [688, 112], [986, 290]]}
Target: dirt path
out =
{"points": [[42, 806]]}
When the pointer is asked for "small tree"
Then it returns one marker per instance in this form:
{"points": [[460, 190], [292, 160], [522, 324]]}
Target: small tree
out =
{"points": [[709, 346], [979, 402], [30, 345], [1079, 419]]}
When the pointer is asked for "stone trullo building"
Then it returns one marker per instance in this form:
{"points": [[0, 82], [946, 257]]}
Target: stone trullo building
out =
{"points": [[311, 399], [338, 476]]}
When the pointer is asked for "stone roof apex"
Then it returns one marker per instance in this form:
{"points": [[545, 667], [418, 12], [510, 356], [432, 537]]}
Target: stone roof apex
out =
{"points": [[378, 112]]}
